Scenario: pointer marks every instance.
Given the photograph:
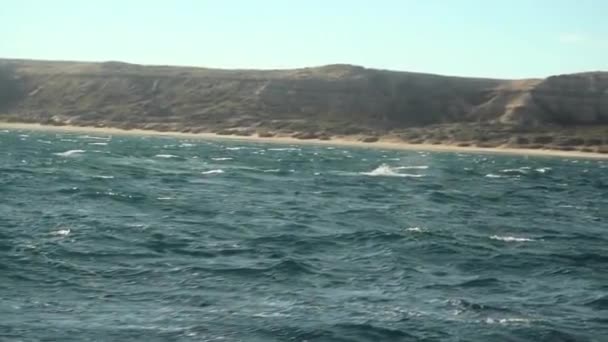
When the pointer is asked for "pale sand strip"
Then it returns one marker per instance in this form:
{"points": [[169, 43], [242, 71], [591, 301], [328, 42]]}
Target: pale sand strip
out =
{"points": [[384, 143]]}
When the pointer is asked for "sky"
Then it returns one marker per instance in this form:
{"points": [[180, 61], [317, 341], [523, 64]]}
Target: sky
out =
{"points": [[502, 39]]}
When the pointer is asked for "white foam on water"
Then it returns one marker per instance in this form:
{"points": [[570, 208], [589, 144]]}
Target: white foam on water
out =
{"points": [[104, 177], [270, 314], [387, 171], [24, 136], [514, 320], [543, 169], [62, 232], [221, 158], [272, 170], [234, 148], [165, 198], [45, 142], [69, 153], [68, 140], [416, 229], [99, 144], [94, 137], [165, 156], [186, 145], [510, 238], [520, 171], [213, 172], [284, 149], [492, 175], [417, 167]]}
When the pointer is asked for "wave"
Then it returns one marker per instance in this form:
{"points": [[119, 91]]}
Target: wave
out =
{"points": [[69, 153], [62, 232], [186, 145], [284, 149], [94, 137], [104, 177], [516, 172], [99, 143], [387, 171], [598, 304], [166, 156], [213, 172], [493, 175], [416, 167], [510, 238], [513, 320], [416, 229], [221, 158]]}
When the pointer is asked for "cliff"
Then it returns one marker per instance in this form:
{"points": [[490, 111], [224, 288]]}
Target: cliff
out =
{"points": [[334, 99]]}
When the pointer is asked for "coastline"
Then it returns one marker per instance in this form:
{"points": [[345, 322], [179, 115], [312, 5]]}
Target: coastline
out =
{"points": [[383, 143]]}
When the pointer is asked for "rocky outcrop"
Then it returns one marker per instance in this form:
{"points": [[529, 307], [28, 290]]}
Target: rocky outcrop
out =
{"points": [[340, 99]]}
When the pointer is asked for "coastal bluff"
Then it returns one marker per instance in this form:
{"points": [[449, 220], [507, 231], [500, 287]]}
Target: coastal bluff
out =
{"points": [[563, 111]]}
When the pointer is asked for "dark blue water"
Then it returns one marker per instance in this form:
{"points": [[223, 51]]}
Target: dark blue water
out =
{"points": [[135, 238]]}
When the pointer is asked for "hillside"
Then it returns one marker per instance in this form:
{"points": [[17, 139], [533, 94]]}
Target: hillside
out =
{"points": [[562, 112]]}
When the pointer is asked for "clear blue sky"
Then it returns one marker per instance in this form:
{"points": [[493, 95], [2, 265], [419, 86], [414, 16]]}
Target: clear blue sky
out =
{"points": [[511, 39]]}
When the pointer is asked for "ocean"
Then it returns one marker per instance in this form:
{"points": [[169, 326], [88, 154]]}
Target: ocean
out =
{"points": [[136, 238]]}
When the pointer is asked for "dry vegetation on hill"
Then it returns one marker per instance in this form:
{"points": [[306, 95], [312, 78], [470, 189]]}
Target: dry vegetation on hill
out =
{"points": [[560, 112]]}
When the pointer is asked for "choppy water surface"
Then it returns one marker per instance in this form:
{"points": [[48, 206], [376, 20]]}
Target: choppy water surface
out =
{"points": [[129, 238]]}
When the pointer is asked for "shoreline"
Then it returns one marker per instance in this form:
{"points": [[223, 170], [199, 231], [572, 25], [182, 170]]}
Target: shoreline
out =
{"points": [[383, 143]]}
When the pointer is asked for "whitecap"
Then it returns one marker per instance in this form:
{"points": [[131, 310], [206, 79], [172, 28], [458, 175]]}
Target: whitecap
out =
{"points": [[186, 145], [543, 169], [233, 148], [385, 170], [68, 140], [165, 198], [24, 136], [211, 172], [94, 137], [415, 229], [270, 314], [166, 156], [45, 142], [273, 170], [62, 232], [221, 158], [99, 144], [520, 171], [104, 177], [510, 238], [284, 149], [69, 153], [418, 167], [515, 320], [492, 175]]}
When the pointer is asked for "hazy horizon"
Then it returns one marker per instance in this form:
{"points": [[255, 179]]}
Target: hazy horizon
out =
{"points": [[514, 40]]}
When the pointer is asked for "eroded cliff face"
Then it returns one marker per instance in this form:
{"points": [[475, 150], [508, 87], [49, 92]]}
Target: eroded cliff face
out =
{"points": [[574, 99], [335, 98]]}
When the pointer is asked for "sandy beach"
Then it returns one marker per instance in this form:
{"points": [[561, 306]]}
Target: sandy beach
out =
{"points": [[383, 143]]}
